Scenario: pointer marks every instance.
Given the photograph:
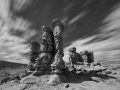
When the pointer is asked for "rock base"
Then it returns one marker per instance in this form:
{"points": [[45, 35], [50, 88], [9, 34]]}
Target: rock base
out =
{"points": [[29, 79], [37, 73], [56, 79]]}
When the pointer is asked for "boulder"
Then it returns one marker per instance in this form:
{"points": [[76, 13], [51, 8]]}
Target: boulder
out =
{"points": [[99, 68], [96, 79], [56, 79], [29, 80], [108, 71], [66, 85]]}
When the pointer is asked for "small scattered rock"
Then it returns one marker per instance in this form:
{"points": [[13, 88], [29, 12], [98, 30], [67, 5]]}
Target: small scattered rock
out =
{"points": [[23, 86], [96, 79], [108, 71], [113, 72], [118, 79], [67, 85]]}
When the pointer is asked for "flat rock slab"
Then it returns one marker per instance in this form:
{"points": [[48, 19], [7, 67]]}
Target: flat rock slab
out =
{"points": [[56, 79], [98, 68], [30, 79], [96, 79]]}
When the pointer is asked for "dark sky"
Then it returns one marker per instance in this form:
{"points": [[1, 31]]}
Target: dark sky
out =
{"points": [[91, 25], [86, 15]]}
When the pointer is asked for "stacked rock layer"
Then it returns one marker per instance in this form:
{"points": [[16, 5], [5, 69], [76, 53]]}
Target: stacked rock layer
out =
{"points": [[50, 50], [58, 65]]}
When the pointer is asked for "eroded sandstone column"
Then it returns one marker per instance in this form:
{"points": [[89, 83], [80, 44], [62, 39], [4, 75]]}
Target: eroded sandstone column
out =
{"points": [[34, 54], [58, 64], [46, 50]]}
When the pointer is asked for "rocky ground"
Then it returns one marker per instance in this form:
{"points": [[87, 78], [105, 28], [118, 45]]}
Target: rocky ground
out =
{"points": [[15, 79]]}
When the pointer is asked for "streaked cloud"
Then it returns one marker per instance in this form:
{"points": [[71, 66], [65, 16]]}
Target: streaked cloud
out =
{"points": [[68, 7], [13, 46], [75, 19], [4, 8], [20, 4], [104, 49], [64, 20], [87, 2]]}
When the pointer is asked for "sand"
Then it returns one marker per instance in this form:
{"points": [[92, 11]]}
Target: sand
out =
{"points": [[80, 82]]}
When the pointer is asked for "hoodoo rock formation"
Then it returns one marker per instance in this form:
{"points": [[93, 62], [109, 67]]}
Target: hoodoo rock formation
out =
{"points": [[48, 56]]}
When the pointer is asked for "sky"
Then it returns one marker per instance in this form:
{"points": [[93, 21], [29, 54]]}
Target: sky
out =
{"points": [[92, 25]]}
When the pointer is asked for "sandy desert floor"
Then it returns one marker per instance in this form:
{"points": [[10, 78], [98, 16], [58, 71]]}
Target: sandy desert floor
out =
{"points": [[81, 82]]}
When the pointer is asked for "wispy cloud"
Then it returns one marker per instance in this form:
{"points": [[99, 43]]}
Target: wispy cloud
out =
{"points": [[104, 49], [12, 46], [75, 19], [19, 5], [64, 20], [68, 7], [86, 3]]}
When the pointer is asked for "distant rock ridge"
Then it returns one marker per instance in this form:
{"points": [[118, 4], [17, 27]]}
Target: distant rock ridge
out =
{"points": [[6, 64]]}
